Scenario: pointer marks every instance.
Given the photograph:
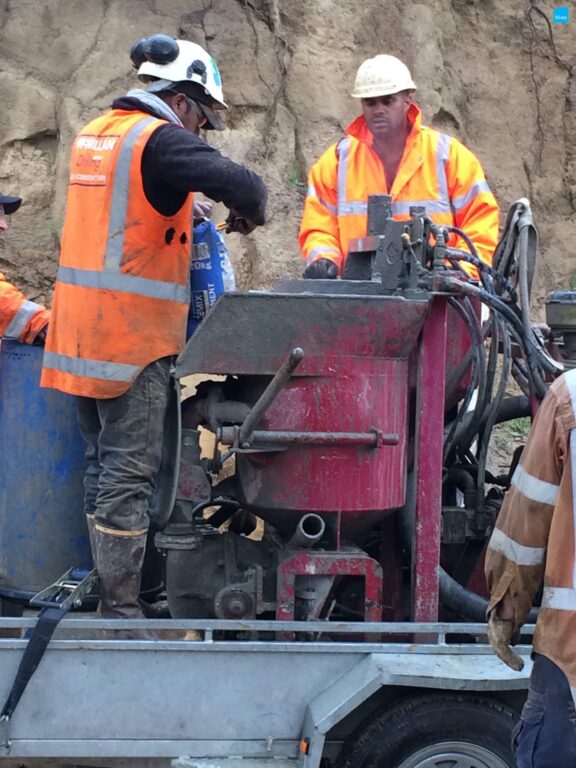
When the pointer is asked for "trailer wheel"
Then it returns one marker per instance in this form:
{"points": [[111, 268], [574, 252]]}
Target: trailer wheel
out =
{"points": [[458, 731]]}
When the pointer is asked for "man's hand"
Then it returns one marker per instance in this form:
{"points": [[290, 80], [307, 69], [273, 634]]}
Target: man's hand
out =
{"points": [[202, 209], [40, 338], [500, 634], [237, 223], [321, 269]]}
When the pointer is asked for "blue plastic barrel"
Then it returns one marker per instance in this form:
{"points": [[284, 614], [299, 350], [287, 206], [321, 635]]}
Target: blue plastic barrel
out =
{"points": [[42, 525]]}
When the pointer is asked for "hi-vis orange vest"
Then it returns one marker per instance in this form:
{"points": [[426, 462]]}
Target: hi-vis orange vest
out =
{"points": [[436, 171], [122, 288]]}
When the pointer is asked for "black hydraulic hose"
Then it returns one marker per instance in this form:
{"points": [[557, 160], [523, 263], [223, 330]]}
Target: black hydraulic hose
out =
{"points": [[484, 392], [468, 315], [465, 603], [520, 375], [495, 333], [530, 348], [523, 279], [534, 378], [484, 273], [493, 409], [456, 255], [226, 508], [511, 408], [523, 283]]}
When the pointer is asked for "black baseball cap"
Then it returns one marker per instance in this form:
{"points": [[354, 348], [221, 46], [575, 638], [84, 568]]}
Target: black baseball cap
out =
{"points": [[10, 203]]}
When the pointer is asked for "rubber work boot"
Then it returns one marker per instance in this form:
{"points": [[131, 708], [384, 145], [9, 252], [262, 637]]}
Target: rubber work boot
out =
{"points": [[120, 558], [91, 523]]}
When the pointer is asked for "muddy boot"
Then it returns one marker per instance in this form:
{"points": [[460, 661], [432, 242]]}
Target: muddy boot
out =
{"points": [[120, 558]]}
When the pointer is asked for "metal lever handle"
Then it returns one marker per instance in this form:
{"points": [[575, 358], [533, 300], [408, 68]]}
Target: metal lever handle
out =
{"points": [[270, 394]]}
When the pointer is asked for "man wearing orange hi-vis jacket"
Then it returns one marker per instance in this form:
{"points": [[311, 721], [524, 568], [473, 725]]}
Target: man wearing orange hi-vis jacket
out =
{"points": [[123, 288], [387, 150], [534, 544], [20, 319]]}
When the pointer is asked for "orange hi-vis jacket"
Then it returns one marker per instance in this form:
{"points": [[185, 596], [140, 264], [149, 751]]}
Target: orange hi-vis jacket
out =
{"points": [[20, 319], [535, 535], [436, 171], [122, 289]]}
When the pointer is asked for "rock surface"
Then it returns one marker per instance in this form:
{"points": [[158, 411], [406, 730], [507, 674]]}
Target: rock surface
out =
{"points": [[498, 74]]}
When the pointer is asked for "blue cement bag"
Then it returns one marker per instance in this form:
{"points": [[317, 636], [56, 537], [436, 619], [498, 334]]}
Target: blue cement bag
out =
{"points": [[211, 272]]}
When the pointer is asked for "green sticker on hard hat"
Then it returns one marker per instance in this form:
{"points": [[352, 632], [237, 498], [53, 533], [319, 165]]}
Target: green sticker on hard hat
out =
{"points": [[216, 72]]}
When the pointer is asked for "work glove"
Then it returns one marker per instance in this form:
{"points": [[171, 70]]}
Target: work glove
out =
{"points": [[500, 634], [321, 269], [237, 223]]}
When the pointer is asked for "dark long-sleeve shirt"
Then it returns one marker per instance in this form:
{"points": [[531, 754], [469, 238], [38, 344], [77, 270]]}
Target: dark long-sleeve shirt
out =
{"points": [[176, 162]]}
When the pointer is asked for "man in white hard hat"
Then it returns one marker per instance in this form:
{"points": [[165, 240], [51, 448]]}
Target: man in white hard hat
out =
{"points": [[122, 290], [387, 150], [20, 319]]}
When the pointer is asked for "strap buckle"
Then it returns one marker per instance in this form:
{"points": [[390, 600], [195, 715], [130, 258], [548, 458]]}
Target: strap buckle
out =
{"points": [[5, 743], [66, 592]]}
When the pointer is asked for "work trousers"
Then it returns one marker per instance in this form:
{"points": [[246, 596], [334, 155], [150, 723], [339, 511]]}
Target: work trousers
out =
{"points": [[546, 734], [123, 437]]}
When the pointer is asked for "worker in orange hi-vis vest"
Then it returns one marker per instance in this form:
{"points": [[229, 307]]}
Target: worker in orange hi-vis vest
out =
{"points": [[388, 151], [122, 290], [20, 319], [534, 544]]}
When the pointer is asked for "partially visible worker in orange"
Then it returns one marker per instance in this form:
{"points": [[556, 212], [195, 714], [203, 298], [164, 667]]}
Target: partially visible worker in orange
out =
{"points": [[20, 319], [387, 150]]}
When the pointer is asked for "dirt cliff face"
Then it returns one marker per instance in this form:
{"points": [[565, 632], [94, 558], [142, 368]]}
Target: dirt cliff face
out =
{"points": [[497, 74]]}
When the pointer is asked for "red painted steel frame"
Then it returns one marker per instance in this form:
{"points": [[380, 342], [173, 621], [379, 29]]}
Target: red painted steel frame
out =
{"points": [[346, 562], [429, 450]]}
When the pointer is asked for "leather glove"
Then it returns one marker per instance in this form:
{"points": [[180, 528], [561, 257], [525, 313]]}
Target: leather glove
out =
{"points": [[321, 269], [237, 223], [500, 634]]}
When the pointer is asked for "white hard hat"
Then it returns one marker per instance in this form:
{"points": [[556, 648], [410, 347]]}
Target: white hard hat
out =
{"points": [[382, 76], [177, 61]]}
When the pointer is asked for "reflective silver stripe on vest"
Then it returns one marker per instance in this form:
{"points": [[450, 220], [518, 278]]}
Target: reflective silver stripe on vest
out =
{"points": [[570, 381], [93, 369], [119, 202], [17, 325], [533, 488], [342, 152], [314, 196], [318, 251], [347, 207], [442, 155], [401, 207], [559, 598], [461, 202], [512, 550], [123, 283]]}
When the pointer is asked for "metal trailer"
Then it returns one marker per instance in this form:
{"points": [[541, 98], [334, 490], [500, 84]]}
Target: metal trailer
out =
{"points": [[245, 703], [262, 692]]}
